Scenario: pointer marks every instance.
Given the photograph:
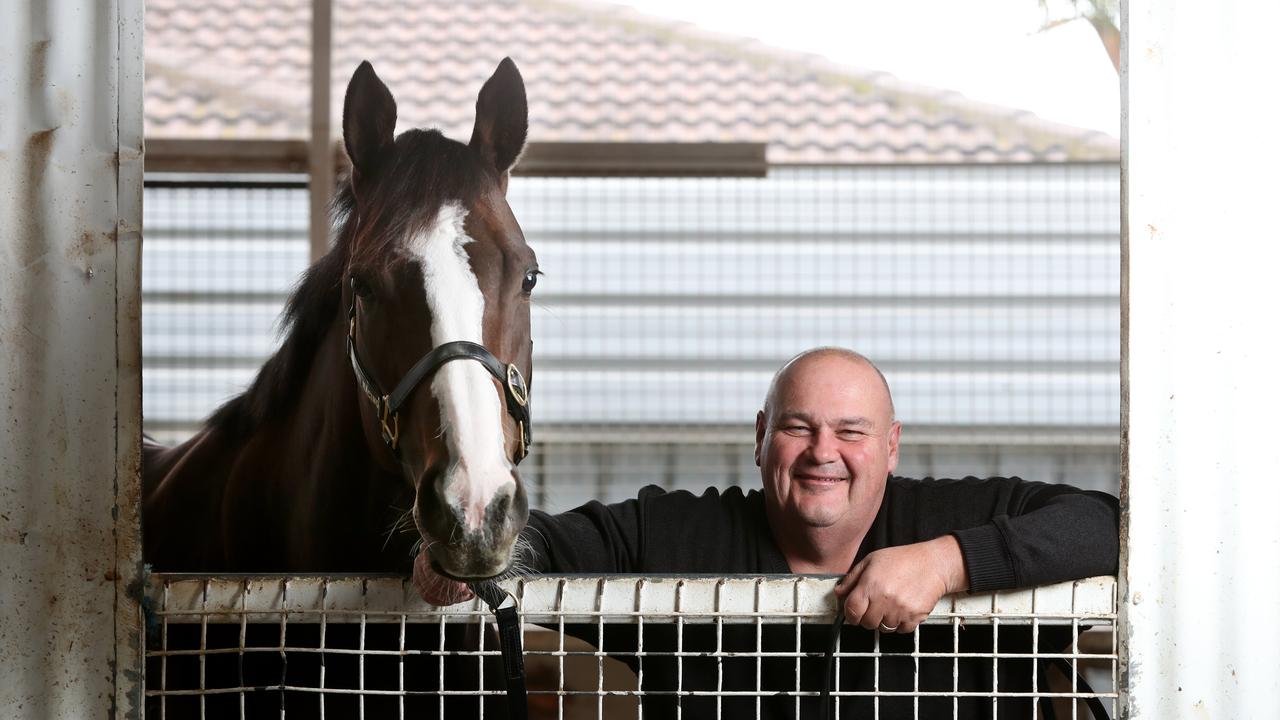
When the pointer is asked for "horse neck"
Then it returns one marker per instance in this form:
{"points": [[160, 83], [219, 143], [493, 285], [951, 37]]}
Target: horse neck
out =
{"points": [[298, 489], [337, 495]]}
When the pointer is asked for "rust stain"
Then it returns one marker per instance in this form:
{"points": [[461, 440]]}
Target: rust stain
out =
{"points": [[35, 160], [39, 145], [88, 245]]}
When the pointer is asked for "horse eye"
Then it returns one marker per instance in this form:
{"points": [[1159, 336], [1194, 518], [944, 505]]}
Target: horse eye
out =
{"points": [[360, 287], [530, 279]]}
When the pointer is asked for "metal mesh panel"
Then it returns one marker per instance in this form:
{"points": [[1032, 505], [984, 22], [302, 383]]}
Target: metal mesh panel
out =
{"points": [[220, 255], [695, 647], [988, 294]]}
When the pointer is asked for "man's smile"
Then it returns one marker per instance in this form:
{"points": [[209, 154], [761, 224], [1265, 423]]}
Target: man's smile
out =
{"points": [[818, 480]]}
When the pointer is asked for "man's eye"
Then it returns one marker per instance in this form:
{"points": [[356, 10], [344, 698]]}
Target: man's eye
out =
{"points": [[795, 429], [530, 280], [850, 434]]}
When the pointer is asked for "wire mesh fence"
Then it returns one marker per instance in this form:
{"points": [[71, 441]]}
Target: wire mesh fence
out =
{"points": [[651, 647], [988, 294]]}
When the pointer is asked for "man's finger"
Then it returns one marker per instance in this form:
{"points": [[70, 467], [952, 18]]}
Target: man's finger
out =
{"points": [[850, 580], [872, 618], [855, 606], [909, 626]]}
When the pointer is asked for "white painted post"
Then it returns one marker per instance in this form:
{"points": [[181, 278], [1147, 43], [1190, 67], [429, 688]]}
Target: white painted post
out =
{"points": [[1202, 379], [70, 388]]}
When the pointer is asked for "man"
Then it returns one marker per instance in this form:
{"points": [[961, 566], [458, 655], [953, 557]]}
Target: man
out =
{"points": [[826, 445]]}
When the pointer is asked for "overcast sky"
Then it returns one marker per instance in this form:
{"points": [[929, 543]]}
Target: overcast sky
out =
{"points": [[987, 49]]}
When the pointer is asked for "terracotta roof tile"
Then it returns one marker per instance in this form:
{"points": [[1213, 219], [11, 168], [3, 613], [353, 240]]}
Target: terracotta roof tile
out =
{"points": [[594, 72]]}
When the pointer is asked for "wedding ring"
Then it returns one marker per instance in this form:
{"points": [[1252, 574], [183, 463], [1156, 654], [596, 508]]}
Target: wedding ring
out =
{"points": [[886, 628]]}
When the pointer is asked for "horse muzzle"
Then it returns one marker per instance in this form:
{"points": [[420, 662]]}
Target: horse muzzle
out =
{"points": [[474, 538]]}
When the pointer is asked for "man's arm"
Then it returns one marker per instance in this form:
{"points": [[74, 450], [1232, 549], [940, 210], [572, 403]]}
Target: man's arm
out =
{"points": [[592, 538], [894, 589], [595, 538], [1038, 534], [982, 535]]}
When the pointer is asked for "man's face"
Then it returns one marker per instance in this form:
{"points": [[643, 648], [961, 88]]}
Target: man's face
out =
{"points": [[828, 443]]}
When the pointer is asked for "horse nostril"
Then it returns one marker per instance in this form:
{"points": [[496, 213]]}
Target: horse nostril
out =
{"points": [[498, 508]]}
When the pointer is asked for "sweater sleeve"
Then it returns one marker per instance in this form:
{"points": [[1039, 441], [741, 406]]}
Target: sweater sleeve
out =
{"points": [[1036, 533], [657, 532], [592, 538]]}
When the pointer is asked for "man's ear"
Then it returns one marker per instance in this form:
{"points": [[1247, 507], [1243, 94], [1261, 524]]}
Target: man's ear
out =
{"points": [[502, 119], [760, 428], [895, 434], [368, 121]]}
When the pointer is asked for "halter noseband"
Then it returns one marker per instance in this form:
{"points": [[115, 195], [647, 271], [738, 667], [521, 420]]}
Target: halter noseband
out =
{"points": [[387, 406]]}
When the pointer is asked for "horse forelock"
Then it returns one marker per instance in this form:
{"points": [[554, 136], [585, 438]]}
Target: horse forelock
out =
{"points": [[425, 171]]}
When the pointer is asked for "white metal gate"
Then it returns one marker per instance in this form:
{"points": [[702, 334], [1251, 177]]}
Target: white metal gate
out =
{"points": [[353, 646]]}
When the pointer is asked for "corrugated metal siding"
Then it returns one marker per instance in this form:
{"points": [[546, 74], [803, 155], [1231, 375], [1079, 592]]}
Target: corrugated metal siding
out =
{"points": [[70, 213], [988, 294]]}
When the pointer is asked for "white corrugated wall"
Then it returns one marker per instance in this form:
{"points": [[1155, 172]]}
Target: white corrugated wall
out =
{"points": [[1202, 570], [70, 217]]}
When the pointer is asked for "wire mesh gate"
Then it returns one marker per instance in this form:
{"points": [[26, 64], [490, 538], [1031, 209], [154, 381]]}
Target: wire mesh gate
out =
{"points": [[696, 647]]}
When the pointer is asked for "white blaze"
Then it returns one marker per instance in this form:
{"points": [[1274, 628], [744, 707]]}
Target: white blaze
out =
{"points": [[471, 412]]}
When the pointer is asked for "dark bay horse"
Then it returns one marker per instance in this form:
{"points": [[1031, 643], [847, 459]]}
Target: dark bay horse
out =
{"points": [[397, 392]]}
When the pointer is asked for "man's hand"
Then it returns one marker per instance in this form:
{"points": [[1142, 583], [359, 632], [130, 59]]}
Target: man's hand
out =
{"points": [[437, 590], [895, 589]]}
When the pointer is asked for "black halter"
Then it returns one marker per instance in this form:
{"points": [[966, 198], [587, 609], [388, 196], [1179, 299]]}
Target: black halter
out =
{"points": [[387, 406]]}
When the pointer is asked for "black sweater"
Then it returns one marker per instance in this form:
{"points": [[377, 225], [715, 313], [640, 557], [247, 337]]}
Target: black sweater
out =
{"points": [[1012, 533]]}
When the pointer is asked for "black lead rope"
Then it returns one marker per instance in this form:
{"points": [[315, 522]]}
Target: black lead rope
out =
{"points": [[826, 712], [509, 640]]}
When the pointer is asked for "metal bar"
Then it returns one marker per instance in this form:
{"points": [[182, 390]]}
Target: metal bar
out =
{"points": [[227, 156], [540, 159], [632, 159], [128, 665], [320, 149], [559, 605]]}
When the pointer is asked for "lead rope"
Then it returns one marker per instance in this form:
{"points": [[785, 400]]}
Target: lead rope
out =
{"points": [[509, 640], [826, 711]]}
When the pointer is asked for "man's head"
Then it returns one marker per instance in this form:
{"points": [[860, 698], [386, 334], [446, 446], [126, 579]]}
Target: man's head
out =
{"points": [[826, 439]]}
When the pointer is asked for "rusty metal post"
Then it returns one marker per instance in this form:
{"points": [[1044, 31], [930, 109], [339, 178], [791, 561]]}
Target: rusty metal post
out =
{"points": [[320, 151], [70, 403]]}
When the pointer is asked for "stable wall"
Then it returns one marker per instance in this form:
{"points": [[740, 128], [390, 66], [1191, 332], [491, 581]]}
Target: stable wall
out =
{"points": [[70, 395]]}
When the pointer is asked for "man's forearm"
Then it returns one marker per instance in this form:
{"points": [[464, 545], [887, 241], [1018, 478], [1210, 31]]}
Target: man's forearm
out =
{"points": [[950, 562]]}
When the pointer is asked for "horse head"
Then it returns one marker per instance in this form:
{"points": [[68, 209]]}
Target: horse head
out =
{"points": [[437, 292]]}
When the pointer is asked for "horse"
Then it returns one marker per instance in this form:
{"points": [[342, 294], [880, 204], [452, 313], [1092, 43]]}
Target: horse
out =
{"points": [[397, 400]]}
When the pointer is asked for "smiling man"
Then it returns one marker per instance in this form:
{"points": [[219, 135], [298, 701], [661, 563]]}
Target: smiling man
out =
{"points": [[827, 444]]}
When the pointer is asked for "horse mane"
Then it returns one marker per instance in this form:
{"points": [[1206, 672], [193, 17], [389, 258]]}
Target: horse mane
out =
{"points": [[313, 305], [308, 315]]}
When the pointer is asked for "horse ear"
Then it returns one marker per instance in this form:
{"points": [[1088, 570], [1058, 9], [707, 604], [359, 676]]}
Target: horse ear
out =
{"points": [[368, 119], [502, 118]]}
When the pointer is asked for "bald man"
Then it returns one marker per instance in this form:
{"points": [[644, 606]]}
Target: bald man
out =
{"points": [[826, 443]]}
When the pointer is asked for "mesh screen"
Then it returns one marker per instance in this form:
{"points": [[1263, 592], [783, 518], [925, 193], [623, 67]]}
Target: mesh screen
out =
{"points": [[617, 646], [989, 295]]}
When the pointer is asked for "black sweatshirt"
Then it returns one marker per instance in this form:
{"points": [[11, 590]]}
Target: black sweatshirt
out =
{"points": [[1012, 533]]}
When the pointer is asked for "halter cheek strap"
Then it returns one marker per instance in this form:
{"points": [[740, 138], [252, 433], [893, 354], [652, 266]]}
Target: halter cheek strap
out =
{"points": [[387, 405]]}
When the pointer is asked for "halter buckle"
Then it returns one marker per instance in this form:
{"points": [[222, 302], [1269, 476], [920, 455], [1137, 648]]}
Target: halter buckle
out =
{"points": [[516, 386], [390, 431]]}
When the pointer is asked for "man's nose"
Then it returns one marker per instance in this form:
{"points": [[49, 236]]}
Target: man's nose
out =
{"points": [[823, 447]]}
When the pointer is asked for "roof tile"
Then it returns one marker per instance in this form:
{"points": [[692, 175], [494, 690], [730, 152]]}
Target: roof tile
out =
{"points": [[594, 72]]}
